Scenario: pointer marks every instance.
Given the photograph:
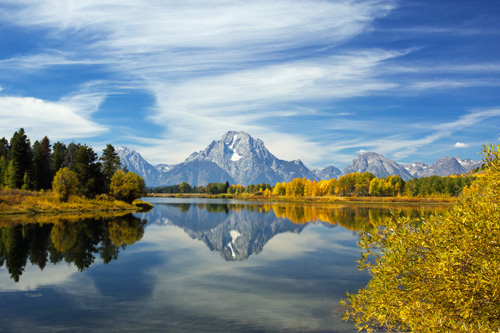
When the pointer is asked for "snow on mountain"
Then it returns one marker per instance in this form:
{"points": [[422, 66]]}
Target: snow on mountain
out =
{"points": [[248, 161], [377, 164], [135, 163], [240, 159], [415, 168], [444, 166], [328, 173]]}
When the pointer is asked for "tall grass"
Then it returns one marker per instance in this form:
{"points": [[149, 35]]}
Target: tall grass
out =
{"points": [[14, 201]]}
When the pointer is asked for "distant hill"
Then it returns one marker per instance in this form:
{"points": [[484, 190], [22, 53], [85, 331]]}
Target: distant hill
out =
{"points": [[240, 159]]}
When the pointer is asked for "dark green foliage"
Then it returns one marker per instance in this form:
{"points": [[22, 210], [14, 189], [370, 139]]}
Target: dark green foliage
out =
{"points": [[58, 156], [88, 172], [4, 147], [21, 156], [110, 162], [70, 156], [42, 164]]}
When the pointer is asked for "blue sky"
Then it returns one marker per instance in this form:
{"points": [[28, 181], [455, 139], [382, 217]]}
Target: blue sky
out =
{"points": [[318, 81]]}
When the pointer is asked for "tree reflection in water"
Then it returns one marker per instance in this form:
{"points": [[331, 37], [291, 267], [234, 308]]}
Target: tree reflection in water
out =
{"points": [[75, 241]]}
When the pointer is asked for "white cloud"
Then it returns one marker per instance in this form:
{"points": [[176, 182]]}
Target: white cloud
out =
{"points": [[461, 145], [61, 120]]}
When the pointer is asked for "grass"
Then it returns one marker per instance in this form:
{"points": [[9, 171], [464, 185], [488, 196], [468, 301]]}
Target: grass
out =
{"points": [[13, 202]]}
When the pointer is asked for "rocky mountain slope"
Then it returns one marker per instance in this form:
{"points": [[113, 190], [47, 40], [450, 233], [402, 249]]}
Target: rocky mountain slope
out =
{"points": [[377, 164], [240, 159]]}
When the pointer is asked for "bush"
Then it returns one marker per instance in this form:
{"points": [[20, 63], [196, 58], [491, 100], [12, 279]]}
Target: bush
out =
{"points": [[65, 183], [127, 186], [439, 274]]}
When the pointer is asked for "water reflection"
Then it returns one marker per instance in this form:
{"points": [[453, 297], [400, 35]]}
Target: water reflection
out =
{"points": [[238, 230], [72, 241]]}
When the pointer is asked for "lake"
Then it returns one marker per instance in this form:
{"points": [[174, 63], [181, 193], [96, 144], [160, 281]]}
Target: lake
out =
{"points": [[188, 265]]}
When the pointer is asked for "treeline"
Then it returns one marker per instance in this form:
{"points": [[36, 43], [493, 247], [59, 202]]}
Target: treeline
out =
{"points": [[76, 168], [212, 188], [350, 185]]}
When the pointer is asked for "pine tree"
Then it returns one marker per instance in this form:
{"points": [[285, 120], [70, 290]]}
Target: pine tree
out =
{"points": [[21, 155], [110, 162], [57, 157]]}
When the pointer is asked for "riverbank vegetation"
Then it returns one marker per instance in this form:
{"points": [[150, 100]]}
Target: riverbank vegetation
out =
{"points": [[438, 273], [41, 179], [352, 187]]}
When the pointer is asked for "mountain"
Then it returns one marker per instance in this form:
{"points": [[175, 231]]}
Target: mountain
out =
{"points": [[240, 159], [415, 168], [195, 172], [328, 173], [248, 161], [469, 164], [377, 164], [135, 163]]}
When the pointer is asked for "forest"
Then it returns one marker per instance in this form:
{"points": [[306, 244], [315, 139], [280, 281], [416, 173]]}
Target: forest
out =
{"points": [[351, 185], [73, 169]]}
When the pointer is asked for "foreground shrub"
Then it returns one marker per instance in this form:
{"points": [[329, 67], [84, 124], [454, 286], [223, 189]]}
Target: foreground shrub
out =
{"points": [[439, 274]]}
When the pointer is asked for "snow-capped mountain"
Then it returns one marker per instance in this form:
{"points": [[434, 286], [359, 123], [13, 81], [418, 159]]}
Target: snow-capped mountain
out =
{"points": [[135, 163], [328, 173], [240, 159], [446, 166], [248, 161], [415, 168], [377, 164]]}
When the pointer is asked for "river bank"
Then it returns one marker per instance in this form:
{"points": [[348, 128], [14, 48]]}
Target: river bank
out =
{"points": [[21, 202], [316, 199]]}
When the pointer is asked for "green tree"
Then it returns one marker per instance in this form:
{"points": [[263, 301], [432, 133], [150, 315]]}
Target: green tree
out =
{"points": [[436, 274], [57, 157], [42, 164], [4, 147], [88, 171], [184, 187], [110, 163], [65, 183], [127, 186], [10, 177], [20, 153]]}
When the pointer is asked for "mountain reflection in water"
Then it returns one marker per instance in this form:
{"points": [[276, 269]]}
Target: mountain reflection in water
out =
{"points": [[72, 241], [238, 230]]}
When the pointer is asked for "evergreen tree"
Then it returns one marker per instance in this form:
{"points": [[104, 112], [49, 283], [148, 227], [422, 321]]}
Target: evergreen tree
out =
{"points": [[4, 147], [41, 164], [58, 155], [88, 171], [110, 162], [3, 169], [70, 155], [21, 155]]}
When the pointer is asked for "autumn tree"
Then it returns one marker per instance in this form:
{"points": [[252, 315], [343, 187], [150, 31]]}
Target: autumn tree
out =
{"points": [[436, 274], [65, 183], [127, 186]]}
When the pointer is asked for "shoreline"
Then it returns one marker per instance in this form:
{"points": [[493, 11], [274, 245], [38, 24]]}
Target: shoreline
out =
{"points": [[322, 200]]}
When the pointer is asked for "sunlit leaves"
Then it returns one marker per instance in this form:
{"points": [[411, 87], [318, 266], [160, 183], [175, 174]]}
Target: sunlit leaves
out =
{"points": [[439, 273]]}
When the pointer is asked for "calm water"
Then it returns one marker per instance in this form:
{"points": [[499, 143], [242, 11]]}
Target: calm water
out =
{"points": [[188, 265]]}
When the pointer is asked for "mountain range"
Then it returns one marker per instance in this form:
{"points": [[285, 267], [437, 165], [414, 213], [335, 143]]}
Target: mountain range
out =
{"points": [[240, 159]]}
